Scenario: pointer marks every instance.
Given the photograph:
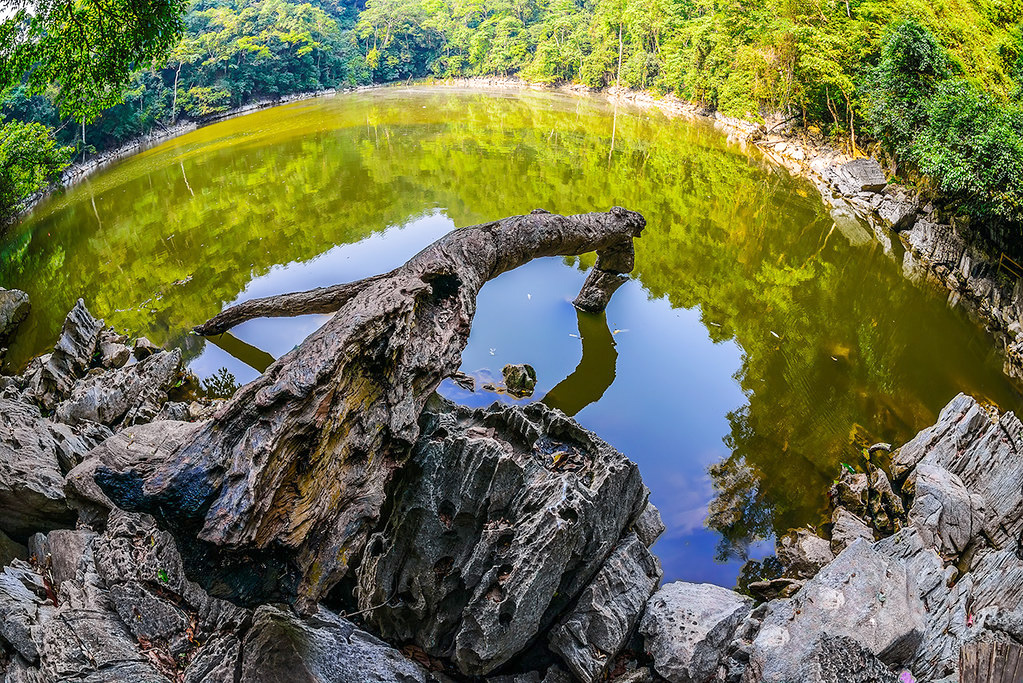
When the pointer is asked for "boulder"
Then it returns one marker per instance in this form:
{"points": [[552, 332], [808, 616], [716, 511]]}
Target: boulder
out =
{"points": [[23, 609], [153, 442], [14, 307], [851, 491], [803, 553], [898, 212], [34, 453], [846, 528], [113, 354], [687, 627], [281, 648], [501, 519], [68, 554], [861, 175], [143, 348], [519, 380], [123, 397], [984, 449], [862, 595], [55, 375], [600, 623], [837, 659], [649, 526], [947, 515]]}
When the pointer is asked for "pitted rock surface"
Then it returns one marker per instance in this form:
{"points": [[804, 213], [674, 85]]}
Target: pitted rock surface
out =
{"points": [[506, 514]]}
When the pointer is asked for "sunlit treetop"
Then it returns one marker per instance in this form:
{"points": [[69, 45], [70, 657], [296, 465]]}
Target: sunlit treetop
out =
{"points": [[87, 48]]}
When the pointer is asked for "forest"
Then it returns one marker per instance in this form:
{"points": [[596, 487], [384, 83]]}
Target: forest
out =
{"points": [[933, 88]]}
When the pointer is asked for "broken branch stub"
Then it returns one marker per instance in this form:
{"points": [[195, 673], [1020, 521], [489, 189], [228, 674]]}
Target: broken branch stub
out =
{"points": [[274, 497]]}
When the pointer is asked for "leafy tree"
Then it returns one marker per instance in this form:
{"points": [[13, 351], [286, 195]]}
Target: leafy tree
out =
{"points": [[912, 64], [88, 48], [30, 161], [973, 146]]}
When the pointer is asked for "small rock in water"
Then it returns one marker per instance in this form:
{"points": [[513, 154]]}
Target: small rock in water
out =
{"points": [[144, 348], [519, 380]]}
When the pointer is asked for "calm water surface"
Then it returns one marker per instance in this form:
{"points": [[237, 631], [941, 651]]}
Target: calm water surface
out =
{"points": [[756, 349]]}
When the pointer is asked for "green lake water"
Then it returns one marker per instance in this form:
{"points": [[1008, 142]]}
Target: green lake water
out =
{"points": [[756, 348]]}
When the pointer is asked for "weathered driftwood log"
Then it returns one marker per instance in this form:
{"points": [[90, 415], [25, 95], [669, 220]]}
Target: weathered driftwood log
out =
{"points": [[275, 496]]}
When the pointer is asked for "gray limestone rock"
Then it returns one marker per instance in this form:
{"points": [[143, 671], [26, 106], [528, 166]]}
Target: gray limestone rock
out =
{"points": [[143, 348], [53, 378], [34, 452], [23, 608], [504, 516], [687, 628], [600, 623], [943, 509], [803, 553], [217, 661], [281, 648], [861, 175], [846, 528], [837, 659], [84, 644], [863, 595], [649, 526], [151, 442], [898, 213], [123, 397], [113, 354], [68, 554], [985, 451], [14, 307]]}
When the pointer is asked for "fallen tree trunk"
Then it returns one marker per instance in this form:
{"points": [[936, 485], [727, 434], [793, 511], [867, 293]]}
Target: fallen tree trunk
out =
{"points": [[275, 496]]}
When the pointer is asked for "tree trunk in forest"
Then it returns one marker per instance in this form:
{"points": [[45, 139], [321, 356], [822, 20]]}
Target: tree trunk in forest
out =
{"points": [[618, 80], [174, 101], [274, 497]]}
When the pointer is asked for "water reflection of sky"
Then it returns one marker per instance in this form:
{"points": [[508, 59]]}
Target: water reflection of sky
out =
{"points": [[666, 408]]}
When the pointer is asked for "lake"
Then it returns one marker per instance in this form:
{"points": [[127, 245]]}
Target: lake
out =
{"points": [[757, 348]]}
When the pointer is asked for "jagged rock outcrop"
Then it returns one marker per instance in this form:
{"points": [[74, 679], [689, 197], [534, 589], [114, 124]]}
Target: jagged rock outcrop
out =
{"points": [[14, 307], [947, 515], [116, 607], [35, 452], [860, 175], [51, 377], [985, 451], [502, 518], [803, 553], [607, 612], [687, 626], [863, 595], [125, 396], [280, 647], [846, 528]]}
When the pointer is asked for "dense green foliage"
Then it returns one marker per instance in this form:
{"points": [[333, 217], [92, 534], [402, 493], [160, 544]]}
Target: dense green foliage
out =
{"points": [[936, 82], [81, 54], [929, 115], [29, 161]]}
